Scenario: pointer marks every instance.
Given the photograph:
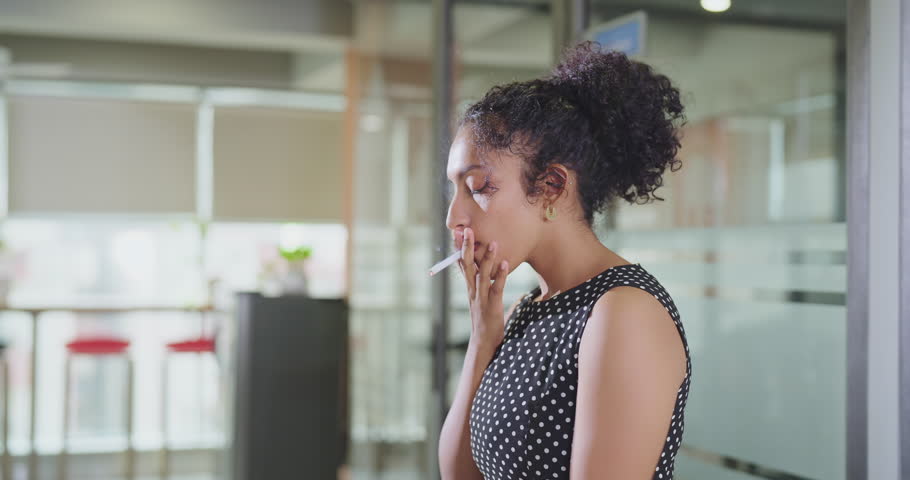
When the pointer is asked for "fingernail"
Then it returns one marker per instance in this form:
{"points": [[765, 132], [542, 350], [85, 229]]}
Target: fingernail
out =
{"points": [[493, 246]]}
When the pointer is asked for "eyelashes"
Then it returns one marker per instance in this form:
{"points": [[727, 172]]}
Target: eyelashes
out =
{"points": [[482, 189], [487, 188]]}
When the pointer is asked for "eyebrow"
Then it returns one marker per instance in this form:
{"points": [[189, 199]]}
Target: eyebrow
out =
{"points": [[467, 169]]}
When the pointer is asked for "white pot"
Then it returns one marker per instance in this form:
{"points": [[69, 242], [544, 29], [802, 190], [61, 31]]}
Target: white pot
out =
{"points": [[294, 282]]}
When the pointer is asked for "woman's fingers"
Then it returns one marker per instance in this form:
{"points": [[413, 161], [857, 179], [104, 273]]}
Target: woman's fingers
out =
{"points": [[488, 258], [467, 248], [459, 239], [499, 278], [467, 261], [485, 277], [486, 268], [493, 263]]}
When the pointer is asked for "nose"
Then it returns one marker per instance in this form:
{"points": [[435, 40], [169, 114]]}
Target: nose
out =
{"points": [[455, 220]]}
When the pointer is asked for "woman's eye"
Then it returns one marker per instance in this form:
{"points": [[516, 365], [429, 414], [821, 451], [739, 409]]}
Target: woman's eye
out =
{"points": [[487, 186], [481, 190]]}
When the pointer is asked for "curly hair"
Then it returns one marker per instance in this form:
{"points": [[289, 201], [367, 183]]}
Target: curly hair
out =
{"points": [[612, 120]]}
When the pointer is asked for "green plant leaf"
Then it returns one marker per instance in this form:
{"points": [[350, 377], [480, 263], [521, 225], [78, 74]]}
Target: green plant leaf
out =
{"points": [[299, 253]]}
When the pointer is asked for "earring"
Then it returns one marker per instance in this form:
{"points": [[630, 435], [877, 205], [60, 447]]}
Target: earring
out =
{"points": [[551, 212]]}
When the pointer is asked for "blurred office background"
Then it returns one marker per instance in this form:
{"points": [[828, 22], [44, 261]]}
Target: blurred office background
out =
{"points": [[158, 157]]}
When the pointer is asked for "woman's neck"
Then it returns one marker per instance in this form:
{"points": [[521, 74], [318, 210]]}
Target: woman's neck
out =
{"points": [[566, 260]]}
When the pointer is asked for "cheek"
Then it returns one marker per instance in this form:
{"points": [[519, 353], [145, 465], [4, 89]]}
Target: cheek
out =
{"points": [[487, 203], [511, 217], [508, 206], [518, 233], [503, 198]]}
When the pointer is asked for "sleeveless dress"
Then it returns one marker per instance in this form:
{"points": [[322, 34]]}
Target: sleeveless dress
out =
{"points": [[522, 415]]}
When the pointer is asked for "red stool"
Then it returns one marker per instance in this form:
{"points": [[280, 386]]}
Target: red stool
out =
{"points": [[98, 346], [198, 346]]}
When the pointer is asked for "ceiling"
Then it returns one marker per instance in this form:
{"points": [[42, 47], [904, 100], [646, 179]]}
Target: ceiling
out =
{"points": [[503, 35], [402, 27]]}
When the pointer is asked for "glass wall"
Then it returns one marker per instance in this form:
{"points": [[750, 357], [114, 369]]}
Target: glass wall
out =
{"points": [[393, 187], [751, 242], [751, 239], [388, 85]]}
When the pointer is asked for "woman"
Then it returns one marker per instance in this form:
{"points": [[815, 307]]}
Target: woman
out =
{"points": [[586, 376]]}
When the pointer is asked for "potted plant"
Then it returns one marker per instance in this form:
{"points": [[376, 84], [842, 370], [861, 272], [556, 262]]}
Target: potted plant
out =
{"points": [[294, 281]]}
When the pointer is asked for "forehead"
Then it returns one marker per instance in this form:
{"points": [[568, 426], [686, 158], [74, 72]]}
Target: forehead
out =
{"points": [[464, 157]]}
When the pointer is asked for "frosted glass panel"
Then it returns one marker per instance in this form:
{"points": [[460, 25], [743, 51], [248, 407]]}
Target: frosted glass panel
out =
{"points": [[751, 244], [695, 470], [767, 340]]}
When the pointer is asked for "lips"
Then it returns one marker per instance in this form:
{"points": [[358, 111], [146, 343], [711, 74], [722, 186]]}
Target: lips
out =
{"points": [[477, 245]]}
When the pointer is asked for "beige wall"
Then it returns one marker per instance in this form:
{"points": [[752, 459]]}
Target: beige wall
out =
{"points": [[278, 164], [89, 156]]}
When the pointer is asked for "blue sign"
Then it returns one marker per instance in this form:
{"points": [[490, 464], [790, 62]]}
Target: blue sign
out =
{"points": [[625, 34]]}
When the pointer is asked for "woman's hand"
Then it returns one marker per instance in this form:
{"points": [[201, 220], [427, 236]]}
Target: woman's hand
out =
{"points": [[485, 282]]}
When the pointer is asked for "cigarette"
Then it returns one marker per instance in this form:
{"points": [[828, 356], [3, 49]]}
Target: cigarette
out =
{"points": [[445, 263]]}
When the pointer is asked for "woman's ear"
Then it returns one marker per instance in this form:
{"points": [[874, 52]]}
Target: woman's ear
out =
{"points": [[555, 180]]}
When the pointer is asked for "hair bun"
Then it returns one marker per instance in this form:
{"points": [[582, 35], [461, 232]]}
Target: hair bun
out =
{"points": [[611, 119], [635, 112]]}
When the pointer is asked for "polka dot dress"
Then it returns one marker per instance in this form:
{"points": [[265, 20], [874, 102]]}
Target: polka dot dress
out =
{"points": [[522, 415]]}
